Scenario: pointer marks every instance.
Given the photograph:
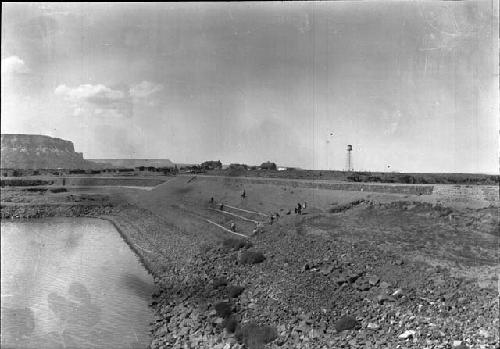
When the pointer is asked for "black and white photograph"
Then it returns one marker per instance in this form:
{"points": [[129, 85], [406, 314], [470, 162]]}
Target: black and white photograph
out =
{"points": [[250, 175]]}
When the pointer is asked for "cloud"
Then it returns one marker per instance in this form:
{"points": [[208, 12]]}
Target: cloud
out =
{"points": [[13, 65], [98, 100], [96, 94], [103, 101], [145, 89]]}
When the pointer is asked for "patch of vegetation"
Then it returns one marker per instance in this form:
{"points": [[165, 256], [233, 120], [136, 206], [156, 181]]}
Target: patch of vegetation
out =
{"points": [[346, 323], [223, 309], [236, 244], [234, 291], [251, 257], [255, 336], [219, 282], [58, 190], [23, 182], [36, 190], [231, 324], [369, 177]]}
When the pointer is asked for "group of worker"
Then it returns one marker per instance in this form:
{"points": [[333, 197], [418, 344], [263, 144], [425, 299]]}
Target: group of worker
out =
{"points": [[300, 207], [272, 218], [232, 226]]}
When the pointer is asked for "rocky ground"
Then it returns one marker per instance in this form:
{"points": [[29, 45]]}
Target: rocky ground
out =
{"points": [[32, 203], [310, 291], [358, 275]]}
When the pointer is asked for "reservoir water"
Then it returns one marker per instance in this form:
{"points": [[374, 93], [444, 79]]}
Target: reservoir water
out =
{"points": [[72, 283]]}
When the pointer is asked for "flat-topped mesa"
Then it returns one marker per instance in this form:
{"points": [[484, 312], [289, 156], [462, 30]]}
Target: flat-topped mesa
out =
{"points": [[24, 151]]}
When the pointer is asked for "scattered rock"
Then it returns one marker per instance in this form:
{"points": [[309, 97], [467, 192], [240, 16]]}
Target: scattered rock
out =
{"points": [[484, 333], [384, 284], [218, 321], [374, 280], [398, 293], [372, 326], [407, 334], [326, 269], [362, 285], [354, 276], [341, 279], [383, 298]]}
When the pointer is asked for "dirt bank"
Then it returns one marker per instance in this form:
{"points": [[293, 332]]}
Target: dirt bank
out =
{"points": [[330, 185], [392, 243], [30, 211]]}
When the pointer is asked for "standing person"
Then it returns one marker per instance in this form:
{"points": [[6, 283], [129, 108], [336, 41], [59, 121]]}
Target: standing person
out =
{"points": [[244, 195], [212, 200], [299, 208], [233, 227], [221, 207]]}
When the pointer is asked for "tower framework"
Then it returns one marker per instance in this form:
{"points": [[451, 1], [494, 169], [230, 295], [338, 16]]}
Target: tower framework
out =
{"points": [[349, 158]]}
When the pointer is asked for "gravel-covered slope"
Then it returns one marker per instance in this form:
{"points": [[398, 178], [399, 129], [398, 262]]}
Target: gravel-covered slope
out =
{"points": [[317, 292]]}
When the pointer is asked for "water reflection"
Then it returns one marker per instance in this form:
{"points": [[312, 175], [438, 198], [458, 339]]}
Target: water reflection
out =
{"points": [[72, 283], [18, 325]]}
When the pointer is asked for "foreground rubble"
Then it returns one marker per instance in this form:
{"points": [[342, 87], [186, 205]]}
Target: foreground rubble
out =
{"points": [[354, 296]]}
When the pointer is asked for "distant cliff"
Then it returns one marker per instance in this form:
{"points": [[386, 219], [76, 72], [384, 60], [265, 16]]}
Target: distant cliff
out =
{"points": [[23, 151]]}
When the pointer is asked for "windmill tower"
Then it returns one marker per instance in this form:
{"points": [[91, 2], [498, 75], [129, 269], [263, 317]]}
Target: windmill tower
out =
{"points": [[349, 158]]}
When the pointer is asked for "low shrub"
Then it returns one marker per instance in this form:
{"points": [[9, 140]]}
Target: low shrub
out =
{"points": [[255, 336], [346, 323], [231, 324], [219, 282], [236, 244], [251, 257], [223, 309], [58, 190], [36, 190], [234, 291], [23, 182]]}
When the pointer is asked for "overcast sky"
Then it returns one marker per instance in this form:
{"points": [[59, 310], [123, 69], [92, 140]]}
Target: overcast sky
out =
{"points": [[411, 85]]}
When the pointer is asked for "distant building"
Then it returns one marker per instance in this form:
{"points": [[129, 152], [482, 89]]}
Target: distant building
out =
{"points": [[238, 166], [268, 166], [212, 165]]}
